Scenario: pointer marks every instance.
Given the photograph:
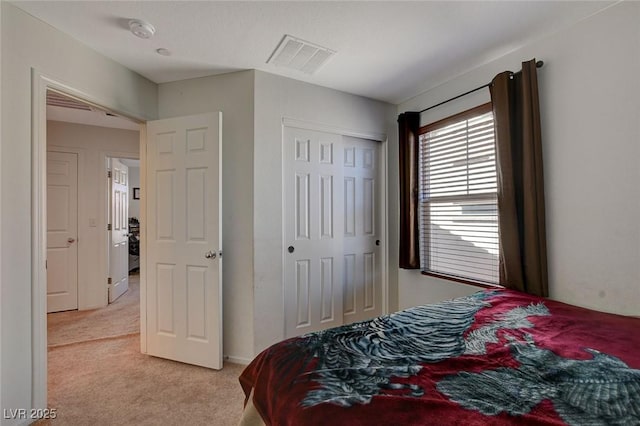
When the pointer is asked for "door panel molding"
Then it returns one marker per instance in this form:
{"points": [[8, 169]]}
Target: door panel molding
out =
{"points": [[183, 297]]}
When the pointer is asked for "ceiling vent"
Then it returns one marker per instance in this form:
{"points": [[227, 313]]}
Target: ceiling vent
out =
{"points": [[300, 55], [56, 99]]}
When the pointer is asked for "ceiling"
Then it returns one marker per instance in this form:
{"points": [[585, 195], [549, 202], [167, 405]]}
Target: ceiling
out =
{"points": [[386, 50]]}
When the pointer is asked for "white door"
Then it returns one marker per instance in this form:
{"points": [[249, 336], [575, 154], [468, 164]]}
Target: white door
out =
{"points": [[313, 231], [183, 237], [362, 278], [62, 231], [118, 281], [332, 230]]}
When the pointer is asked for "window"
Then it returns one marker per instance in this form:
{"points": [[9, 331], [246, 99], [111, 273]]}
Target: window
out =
{"points": [[458, 197]]}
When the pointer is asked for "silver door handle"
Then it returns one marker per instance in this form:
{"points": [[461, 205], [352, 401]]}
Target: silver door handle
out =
{"points": [[71, 240], [210, 255]]}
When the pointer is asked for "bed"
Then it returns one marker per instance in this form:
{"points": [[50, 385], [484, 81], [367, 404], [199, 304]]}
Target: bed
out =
{"points": [[495, 357]]}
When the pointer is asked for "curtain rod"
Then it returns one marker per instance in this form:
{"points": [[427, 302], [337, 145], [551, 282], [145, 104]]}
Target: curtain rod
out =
{"points": [[539, 64]]}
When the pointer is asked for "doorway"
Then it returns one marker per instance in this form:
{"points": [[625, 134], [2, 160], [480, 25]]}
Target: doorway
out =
{"points": [[80, 140], [200, 136], [78, 136], [119, 193], [91, 235]]}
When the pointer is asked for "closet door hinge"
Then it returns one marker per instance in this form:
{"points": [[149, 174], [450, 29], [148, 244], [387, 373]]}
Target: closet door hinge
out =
{"points": [[108, 174], [108, 227], [109, 280]]}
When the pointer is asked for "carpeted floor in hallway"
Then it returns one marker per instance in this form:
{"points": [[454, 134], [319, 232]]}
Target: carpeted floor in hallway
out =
{"points": [[107, 381], [119, 318]]}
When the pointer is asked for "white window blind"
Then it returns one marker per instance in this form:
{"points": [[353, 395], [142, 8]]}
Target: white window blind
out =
{"points": [[458, 202]]}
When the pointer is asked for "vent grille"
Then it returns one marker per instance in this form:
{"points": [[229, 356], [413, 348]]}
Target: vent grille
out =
{"points": [[56, 99], [300, 55]]}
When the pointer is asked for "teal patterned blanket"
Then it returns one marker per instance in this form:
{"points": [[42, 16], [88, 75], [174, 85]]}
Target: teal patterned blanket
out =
{"points": [[496, 357]]}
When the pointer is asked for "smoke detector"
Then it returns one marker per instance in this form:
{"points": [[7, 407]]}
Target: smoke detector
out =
{"points": [[141, 28], [300, 55]]}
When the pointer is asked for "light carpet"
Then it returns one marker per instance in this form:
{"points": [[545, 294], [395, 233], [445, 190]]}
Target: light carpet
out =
{"points": [[101, 380], [119, 318], [109, 382]]}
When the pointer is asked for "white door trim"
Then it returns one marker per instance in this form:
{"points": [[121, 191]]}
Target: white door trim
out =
{"points": [[384, 207], [384, 220], [40, 83], [143, 238]]}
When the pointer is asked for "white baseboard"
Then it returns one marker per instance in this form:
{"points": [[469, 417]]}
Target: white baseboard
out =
{"points": [[237, 359]]}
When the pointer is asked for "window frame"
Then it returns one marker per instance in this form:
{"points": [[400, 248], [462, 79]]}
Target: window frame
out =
{"points": [[464, 115]]}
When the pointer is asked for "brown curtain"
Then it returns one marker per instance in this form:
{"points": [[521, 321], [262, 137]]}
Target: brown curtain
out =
{"points": [[408, 127], [523, 250]]}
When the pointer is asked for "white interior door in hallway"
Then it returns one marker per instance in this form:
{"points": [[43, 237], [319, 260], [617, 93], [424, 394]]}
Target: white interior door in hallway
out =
{"points": [[184, 239], [62, 231], [118, 281], [332, 230]]}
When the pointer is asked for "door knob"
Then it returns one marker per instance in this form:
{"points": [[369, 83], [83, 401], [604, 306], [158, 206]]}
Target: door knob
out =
{"points": [[210, 255], [290, 249], [71, 240]]}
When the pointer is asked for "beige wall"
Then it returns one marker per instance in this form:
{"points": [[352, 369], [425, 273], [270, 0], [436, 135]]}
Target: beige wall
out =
{"points": [[92, 144], [590, 106], [233, 95], [28, 44]]}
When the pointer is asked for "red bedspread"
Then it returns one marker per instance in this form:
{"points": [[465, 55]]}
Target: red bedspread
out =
{"points": [[496, 357]]}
